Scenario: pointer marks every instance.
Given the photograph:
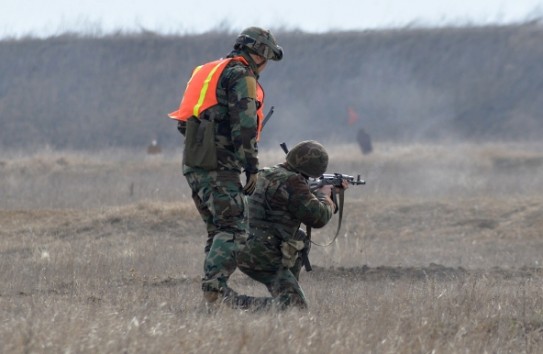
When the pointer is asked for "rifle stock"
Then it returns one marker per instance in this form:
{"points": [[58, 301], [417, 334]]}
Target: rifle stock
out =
{"points": [[334, 179], [305, 260]]}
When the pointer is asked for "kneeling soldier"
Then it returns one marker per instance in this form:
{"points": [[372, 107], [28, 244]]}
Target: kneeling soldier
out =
{"points": [[282, 200]]}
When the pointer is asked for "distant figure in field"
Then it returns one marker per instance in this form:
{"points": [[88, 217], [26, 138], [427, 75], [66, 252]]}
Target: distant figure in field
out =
{"points": [[154, 148], [364, 140]]}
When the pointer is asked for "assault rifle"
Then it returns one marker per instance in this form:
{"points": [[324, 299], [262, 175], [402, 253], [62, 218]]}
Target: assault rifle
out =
{"points": [[336, 180], [338, 195]]}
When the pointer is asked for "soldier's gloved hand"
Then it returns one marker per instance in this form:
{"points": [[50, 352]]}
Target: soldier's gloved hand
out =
{"points": [[250, 184]]}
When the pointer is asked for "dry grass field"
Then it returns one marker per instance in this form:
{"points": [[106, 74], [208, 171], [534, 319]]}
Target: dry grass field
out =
{"points": [[441, 252]]}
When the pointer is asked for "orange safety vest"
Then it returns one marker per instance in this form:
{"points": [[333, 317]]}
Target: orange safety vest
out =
{"points": [[201, 92]]}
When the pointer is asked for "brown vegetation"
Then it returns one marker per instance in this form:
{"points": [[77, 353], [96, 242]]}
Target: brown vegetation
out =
{"points": [[477, 83], [440, 252]]}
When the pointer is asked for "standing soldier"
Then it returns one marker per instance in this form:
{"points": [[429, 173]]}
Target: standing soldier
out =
{"points": [[221, 117], [282, 201], [364, 141]]}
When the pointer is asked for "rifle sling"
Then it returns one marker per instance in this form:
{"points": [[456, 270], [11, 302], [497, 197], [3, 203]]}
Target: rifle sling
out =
{"points": [[341, 197]]}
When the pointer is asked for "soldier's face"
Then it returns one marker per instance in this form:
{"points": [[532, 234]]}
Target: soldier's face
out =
{"points": [[262, 66], [260, 62]]}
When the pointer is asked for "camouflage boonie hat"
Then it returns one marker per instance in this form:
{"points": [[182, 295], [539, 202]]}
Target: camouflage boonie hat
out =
{"points": [[308, 157], [259, 41]]}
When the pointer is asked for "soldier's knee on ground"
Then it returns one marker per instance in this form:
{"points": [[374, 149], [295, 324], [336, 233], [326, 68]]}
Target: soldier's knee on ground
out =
{"points": [[291, 301], [244, 302]]}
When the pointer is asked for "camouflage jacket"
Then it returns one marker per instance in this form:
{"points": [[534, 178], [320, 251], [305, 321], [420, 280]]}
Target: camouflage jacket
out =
{"points": [[235, 117], [281, 201]]}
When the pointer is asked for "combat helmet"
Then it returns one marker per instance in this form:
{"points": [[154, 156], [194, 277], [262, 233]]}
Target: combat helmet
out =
{"points": [[259, 41], [308, 157]]}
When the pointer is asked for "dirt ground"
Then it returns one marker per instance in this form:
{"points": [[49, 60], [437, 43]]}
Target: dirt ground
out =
{"points": [[455, 270], [424, 210], [392, 239]]}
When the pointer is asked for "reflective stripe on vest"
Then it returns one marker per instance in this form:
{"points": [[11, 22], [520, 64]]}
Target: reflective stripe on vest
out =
{"points": [[201, 92]]}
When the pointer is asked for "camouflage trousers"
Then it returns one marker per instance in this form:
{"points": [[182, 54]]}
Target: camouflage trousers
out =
{"points": [[261, 259], [220, 202]]}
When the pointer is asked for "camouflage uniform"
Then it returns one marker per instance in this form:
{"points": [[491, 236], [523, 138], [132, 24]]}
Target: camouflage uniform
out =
{"points": [[218, 194], [216, 188], [281, 201]]}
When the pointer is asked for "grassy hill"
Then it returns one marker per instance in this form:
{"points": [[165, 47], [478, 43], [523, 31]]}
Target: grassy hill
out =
{"points": [[412, 84]]}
